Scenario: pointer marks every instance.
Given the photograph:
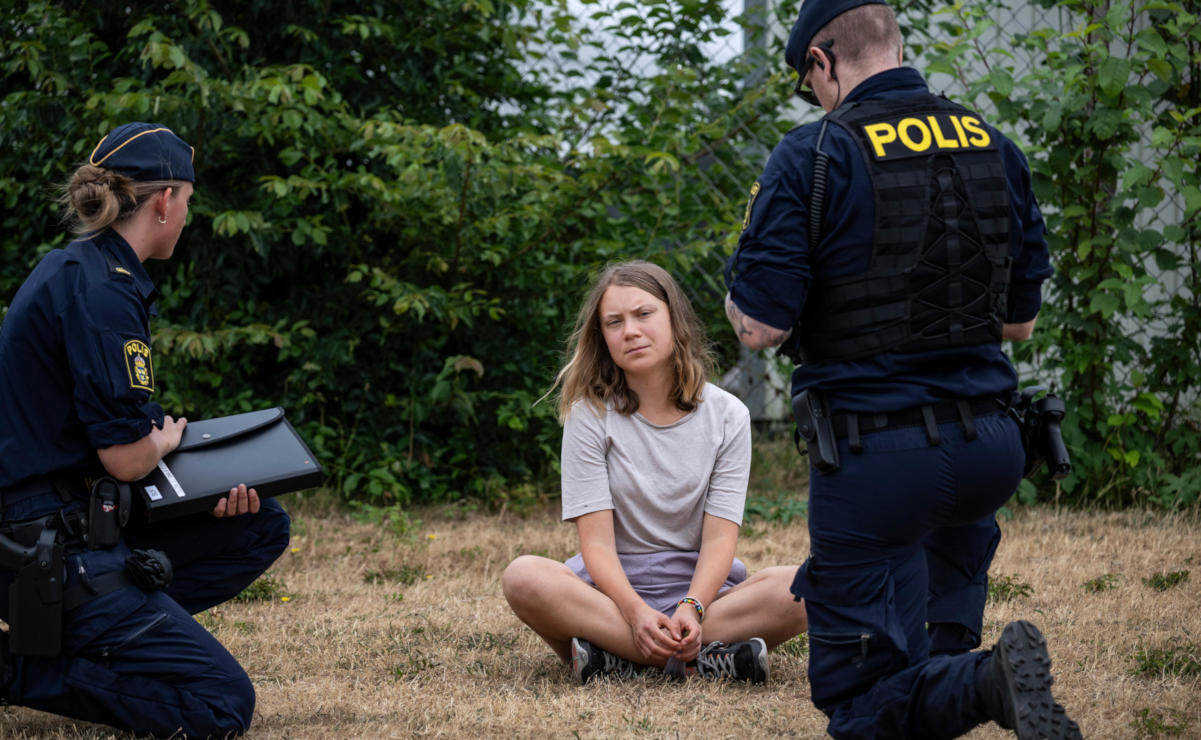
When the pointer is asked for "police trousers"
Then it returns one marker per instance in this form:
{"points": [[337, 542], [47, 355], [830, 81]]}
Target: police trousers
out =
{"points": [[137, 660], [902, 536]]}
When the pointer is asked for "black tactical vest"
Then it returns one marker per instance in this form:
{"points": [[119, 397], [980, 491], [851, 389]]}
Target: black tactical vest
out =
{"points": [[939, 273]]}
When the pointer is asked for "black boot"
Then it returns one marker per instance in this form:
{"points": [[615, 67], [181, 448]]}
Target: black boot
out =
{"points": [[1014, 686]]}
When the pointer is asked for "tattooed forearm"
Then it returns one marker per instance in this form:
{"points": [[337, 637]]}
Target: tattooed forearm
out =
{"points": [[752, 332]]}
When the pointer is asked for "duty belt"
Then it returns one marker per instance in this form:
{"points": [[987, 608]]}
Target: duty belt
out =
{"points": [[853, 425], [58, 487]]}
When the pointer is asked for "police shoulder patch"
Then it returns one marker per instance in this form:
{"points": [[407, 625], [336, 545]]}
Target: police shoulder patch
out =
{"points": [[137, 364], [746, 219]]}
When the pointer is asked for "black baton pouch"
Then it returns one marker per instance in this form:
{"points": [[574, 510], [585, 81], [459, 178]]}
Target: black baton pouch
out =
{"points": [[108, 512], [35, 601]]}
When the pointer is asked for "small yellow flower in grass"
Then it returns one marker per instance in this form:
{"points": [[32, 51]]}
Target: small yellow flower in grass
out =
{"points": [[428, 577], [432, 536], [285, 598], [295, 549]]}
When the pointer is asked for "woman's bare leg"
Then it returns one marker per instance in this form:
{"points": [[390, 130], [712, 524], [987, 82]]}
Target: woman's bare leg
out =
{"points": [[760, 606], [558, 605]]}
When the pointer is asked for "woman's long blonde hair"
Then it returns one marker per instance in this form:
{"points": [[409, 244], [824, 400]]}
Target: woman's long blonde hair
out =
{"points": [[591, 373]]}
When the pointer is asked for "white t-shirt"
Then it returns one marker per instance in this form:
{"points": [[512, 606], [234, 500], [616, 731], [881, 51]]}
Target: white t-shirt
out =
{"points": [[659, 481]]}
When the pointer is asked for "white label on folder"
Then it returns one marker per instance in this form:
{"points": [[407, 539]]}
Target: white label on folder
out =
{"points": [[152, 492], [171, 479]]}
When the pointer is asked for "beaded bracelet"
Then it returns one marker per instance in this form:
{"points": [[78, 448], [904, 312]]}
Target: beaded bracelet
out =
{"points": [[700, 610]]}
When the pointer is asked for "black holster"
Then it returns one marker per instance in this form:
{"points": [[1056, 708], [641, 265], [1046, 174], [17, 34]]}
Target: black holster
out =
{"points": [[816, 427], [1039, 419], [35, 598]]}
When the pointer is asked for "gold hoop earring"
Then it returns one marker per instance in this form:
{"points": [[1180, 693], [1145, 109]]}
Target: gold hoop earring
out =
{"points": [[162, 219]]}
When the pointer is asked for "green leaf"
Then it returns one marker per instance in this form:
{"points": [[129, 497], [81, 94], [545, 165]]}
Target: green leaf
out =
{"points": [[1173, 169], [1113, 75], [1117, 17], [1105, 122], [1192, 200], [1133, 295], [1150, 40], [1104, 303], [1136, 175], [1161, 137], [1162, 69], [1002, 81], [1149, 404], [1053, 117]]}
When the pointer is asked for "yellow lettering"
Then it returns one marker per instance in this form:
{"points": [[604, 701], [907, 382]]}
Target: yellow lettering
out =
{"points": [[959, 130], [134, 347], [903, 131], [973, 126], [941, 141], [880, 134]]}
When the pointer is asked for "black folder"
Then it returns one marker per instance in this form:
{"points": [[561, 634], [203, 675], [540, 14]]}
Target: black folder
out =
{"points": [[259, 448]]}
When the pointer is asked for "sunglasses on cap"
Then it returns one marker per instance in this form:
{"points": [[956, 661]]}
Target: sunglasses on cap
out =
{"points": [[806, 93]]}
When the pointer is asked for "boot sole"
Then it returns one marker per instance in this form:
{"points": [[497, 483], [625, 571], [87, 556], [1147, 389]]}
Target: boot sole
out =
{"points": [[1027, 669]]}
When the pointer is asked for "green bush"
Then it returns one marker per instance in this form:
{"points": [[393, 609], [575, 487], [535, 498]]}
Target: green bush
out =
{"points": [[1111, 121], [398, 205]]}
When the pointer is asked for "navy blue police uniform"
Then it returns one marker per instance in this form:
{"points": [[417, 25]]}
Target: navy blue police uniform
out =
{"points": [[931, 239], [76, 375]]}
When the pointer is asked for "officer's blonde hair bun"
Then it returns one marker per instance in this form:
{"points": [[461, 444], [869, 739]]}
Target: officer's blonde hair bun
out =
{"points": [[96, 198]]}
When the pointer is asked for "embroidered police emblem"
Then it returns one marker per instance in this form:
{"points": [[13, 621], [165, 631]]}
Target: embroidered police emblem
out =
{"points": [[746, 219], [137, 364]]}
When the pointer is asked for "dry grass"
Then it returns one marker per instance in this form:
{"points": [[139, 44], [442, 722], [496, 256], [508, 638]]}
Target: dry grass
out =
{"points": [[385, 635]]}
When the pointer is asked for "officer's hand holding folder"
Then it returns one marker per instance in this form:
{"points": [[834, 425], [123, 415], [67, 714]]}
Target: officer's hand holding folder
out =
{"points": [[259, 448]]}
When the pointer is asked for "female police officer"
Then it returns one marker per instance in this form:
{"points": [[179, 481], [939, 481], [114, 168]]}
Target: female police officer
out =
{"points": [[896, 294], [76, 378]]}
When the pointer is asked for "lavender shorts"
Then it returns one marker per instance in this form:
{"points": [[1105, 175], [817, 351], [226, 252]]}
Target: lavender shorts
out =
{"points": [[660, 578]]}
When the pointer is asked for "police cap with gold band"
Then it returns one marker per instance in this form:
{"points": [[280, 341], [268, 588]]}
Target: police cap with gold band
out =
{"points": [[145, 152], [814, 16]]}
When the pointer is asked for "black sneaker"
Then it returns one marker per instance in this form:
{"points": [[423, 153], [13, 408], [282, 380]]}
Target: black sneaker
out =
{"points": [[1014, 685], [740, 661], [588, 660]]}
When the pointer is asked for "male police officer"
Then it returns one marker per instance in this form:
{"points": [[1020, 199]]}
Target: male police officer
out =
{"points": [[889, 248]]}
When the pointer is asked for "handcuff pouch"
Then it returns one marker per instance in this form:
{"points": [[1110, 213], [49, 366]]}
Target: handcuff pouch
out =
{"points": [[108, 511]]}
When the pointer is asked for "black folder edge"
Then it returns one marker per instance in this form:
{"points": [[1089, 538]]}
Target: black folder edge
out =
{"points": [[196, 435], [205, 502]]}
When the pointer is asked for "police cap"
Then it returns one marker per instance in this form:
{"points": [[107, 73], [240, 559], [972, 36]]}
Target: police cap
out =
{"points": [[815, 14], [145, 152]]}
